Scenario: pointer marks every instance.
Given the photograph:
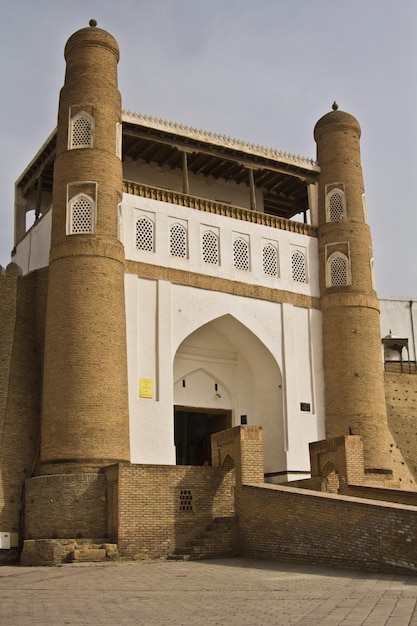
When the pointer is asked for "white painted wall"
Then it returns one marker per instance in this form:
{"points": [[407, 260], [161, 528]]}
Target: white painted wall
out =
{"points": [[400, 317], [32, 252], [177, 332], [164, 214]]}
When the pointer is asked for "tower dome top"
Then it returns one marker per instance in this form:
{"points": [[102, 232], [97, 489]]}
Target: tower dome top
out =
{"points": [[91, 36], [336, 118]]}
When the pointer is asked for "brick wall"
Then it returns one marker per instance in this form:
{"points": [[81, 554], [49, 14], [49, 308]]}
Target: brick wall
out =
{"points": [[401, 399], [399, 496], [343, 455], [290, 524], [65, 506], [22, 314], [162, 508], [242, 447], [339, 461]]}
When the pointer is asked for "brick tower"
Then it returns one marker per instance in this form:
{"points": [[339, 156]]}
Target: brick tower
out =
{"points": [[85, 402], [354, 385]]}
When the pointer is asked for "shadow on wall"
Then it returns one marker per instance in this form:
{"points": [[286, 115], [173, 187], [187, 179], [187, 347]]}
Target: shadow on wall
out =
{"points": [[205, 525]]}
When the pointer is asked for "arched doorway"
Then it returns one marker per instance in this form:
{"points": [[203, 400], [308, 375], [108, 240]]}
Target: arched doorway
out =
{"points": [[225, 376]]}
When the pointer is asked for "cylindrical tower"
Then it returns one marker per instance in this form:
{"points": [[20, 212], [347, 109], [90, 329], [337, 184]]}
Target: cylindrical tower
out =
{"points": [[353, 374], [85, 401]]}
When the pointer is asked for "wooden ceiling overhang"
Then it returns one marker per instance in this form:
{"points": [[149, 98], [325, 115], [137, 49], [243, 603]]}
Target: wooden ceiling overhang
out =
{"points": [[40, 169], [284, 183]]}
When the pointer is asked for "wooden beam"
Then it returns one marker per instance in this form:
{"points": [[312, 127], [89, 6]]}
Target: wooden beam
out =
{"points": [[185, 179], [252, 190]]}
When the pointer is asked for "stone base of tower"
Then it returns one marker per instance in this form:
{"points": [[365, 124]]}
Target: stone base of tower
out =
{"points": [[44, 552], [65, 519], [65, 506]]}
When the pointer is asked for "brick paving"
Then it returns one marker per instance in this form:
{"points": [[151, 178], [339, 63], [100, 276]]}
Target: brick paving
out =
{"points": [[222, 592]]}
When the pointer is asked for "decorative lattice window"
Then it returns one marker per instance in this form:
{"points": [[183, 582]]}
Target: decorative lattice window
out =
{"points": [[178, 241], [241, 254], [298, 267], [270, 259], [81, 131], [338, 271], [186, 500], [336, 205], [210, 247], [144, 234], [81, 215]]}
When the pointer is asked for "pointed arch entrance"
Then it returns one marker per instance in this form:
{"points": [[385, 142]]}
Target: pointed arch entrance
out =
{"points": [[225, 376]]}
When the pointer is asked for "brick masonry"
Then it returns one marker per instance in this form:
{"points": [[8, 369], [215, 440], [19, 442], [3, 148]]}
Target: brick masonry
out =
{"points": [[85, 418], [291, 524], [401, 399], [22, 307], [65, 506], [162, 508]]}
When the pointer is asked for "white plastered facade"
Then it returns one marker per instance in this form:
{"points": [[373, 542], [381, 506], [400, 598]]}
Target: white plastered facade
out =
{"points": [[217, 350]]}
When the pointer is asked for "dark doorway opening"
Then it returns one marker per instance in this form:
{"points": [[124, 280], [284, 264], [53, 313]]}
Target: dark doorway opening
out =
{"points": [[192, 431]]}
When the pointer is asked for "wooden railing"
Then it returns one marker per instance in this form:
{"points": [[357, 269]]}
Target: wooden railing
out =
{"points": [[398, 367]]}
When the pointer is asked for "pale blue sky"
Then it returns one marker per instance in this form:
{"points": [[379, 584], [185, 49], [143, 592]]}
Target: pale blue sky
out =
{"points": [[263, 72]]}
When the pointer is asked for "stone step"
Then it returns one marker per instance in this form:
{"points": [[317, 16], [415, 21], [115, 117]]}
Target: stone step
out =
{"points": [[91, 555], [179, 557], [214, 540]]}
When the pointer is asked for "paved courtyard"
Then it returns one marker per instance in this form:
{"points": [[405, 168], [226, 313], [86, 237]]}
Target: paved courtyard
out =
{"points": [[201, 593]]}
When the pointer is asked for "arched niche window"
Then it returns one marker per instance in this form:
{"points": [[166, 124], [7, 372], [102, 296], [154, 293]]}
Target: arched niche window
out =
{"points": [[119, 139], [80, 215], [144, 234], [178, 241], [270, 259], [210, 247], [81, 131], [338, 270], [335, 205], [365, 212], [241, 254], [298, 267], [372, 267]]}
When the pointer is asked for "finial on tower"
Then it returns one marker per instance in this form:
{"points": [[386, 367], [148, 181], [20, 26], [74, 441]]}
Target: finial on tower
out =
{"points": [[93, 23], [335, 106]]}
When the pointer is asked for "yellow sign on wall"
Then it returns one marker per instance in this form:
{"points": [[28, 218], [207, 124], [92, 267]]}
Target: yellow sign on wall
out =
{"points": [[145, 388]]}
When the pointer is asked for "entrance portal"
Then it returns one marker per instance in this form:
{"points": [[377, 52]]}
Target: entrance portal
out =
{"points": [[192, 431]]}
